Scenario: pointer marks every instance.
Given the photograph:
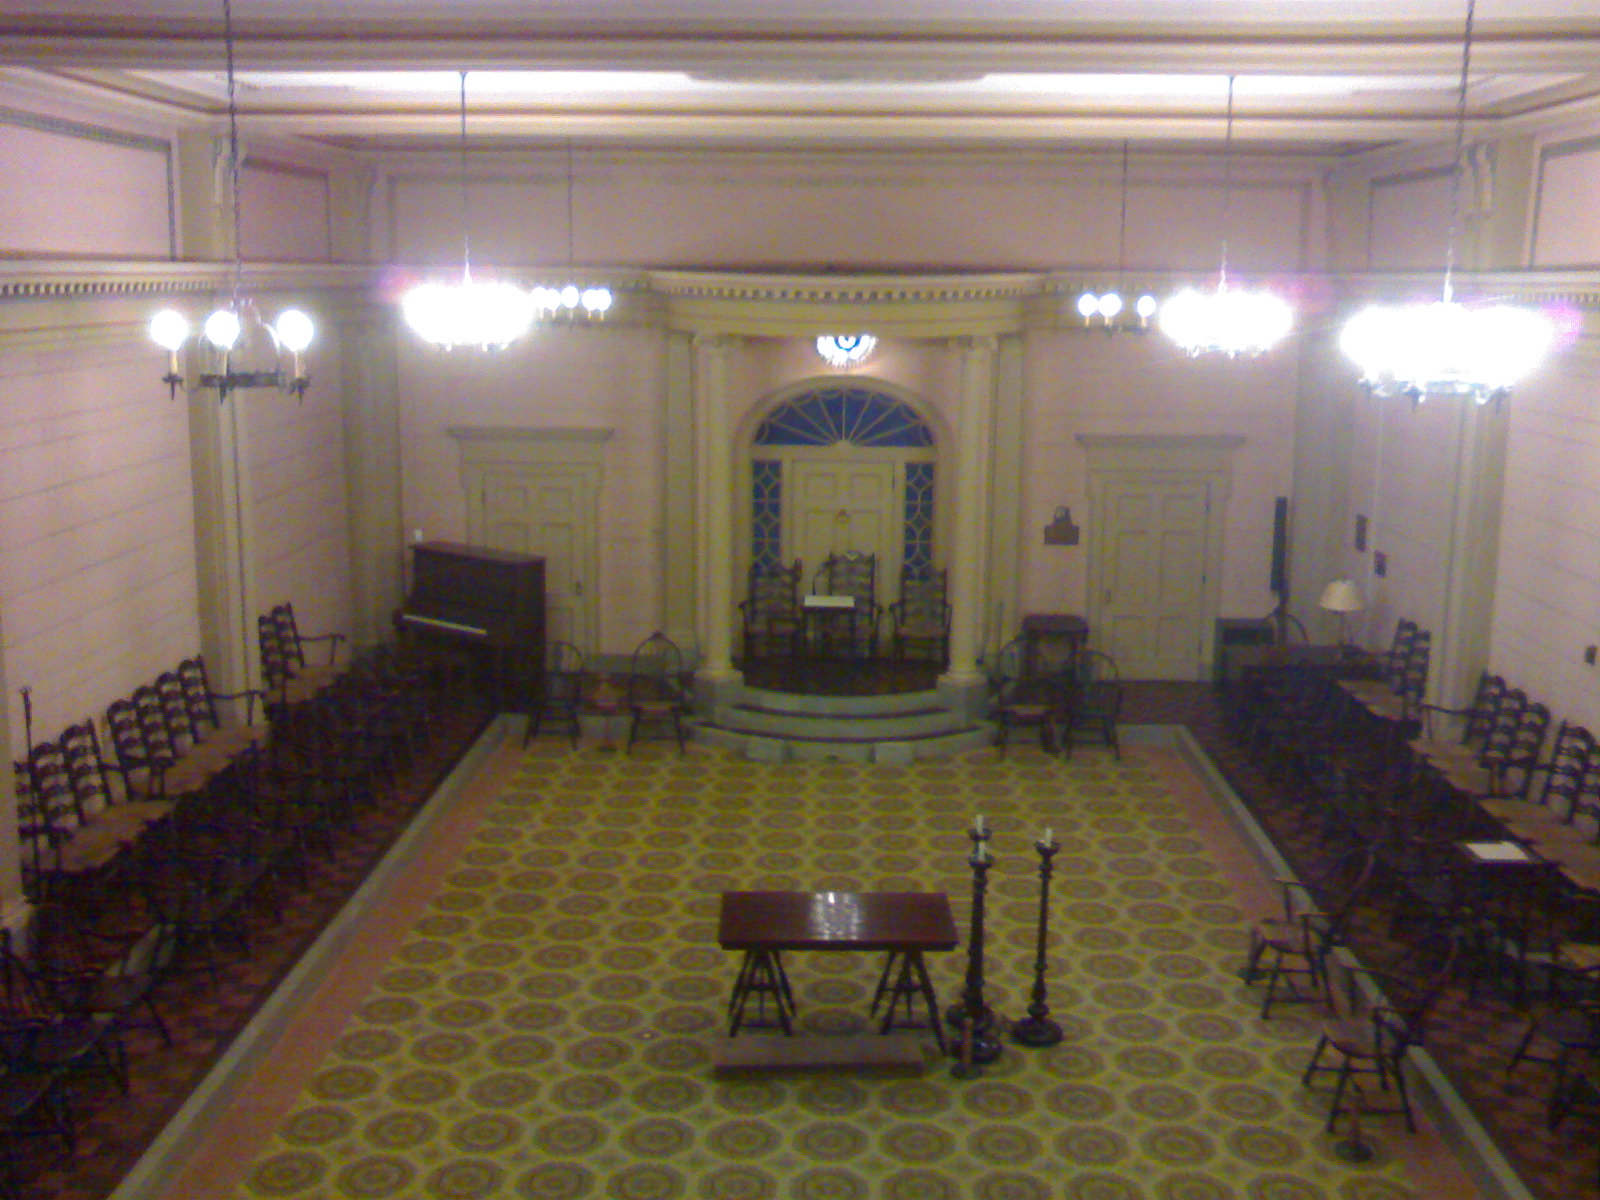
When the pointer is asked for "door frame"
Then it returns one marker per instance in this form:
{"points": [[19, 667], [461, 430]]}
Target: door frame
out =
{"points": [[1131, 458], [492, 449]]}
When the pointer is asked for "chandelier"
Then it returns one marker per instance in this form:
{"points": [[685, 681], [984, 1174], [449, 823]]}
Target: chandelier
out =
{"points": [[469, 312], [845, 350], [1108, 307], [1442, 347], [1226, 320], [246, 352]]}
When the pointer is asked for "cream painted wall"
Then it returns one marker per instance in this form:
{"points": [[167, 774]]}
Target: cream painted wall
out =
{"points": [[284, 212], [608, 376], [1567, 219], [1081, 382], [97, 575], [794, 211], [294, 481], [88, 189], [1547, 597]]}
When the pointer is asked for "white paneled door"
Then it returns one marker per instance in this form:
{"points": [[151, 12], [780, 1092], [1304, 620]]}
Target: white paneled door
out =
{"points": [[1151, 572], [549, 510], [845, 504]]}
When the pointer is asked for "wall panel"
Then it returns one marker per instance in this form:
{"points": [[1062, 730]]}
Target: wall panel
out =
{"points": [[97, 577], [85, 190]]}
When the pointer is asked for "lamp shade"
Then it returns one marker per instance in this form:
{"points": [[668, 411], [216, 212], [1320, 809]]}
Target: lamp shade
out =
{"points": [[1341, 596]]}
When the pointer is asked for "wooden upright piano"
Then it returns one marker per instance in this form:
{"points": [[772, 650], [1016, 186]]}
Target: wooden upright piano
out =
{"points": [[488, 604]]}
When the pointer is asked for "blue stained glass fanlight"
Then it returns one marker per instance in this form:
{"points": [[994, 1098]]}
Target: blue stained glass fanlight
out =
{"points": [[829, 416], [857, 415]]}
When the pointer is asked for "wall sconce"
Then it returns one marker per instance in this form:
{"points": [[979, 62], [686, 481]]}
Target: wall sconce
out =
{"points": [[1112, 314]]}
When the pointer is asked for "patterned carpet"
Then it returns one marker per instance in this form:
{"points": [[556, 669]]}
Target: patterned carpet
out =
{"points": [[543, 1029]]}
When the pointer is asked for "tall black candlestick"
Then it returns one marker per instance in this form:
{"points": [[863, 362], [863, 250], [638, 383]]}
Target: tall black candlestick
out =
{"points": [[972, 1016], [1037, 1029]]}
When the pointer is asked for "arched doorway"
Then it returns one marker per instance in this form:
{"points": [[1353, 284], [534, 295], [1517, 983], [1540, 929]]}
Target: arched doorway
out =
{"points": [[844, 466]]}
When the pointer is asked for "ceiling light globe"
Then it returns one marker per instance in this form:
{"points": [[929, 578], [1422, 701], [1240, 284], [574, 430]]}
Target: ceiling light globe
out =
{"points": [[1146, 307], [569, 296], [1088, 305], [169, 329], [1110, 305], [597, 300], [295, 330], [222, 328]]}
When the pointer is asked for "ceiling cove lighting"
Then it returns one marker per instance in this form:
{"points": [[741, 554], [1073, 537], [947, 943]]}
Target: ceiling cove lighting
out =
{"points": [[467, 312], [1441, 347], [244, 351], [1108, 307], [841, 350], [1230, 321]]}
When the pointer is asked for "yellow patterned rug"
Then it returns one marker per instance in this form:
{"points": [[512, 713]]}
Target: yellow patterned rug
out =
{"points": [[544, 1028]]}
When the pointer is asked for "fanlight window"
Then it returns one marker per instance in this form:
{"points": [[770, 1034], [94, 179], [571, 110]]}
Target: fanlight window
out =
{"points": [[856, 415]]}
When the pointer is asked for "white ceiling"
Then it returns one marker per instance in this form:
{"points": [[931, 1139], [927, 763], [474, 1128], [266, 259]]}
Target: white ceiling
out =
{"points": [[1313, 76]]}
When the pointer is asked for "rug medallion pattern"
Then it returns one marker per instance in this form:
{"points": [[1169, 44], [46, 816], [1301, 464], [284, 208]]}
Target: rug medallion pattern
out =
{"points": [[544, 1030]]}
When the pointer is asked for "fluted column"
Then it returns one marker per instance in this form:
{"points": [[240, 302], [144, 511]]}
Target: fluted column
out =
{"points": [[970, 562], [714, 508]]}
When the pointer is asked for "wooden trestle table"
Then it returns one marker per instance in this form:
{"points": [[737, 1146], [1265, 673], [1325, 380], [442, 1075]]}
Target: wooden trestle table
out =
{"points": [[766, 924]]}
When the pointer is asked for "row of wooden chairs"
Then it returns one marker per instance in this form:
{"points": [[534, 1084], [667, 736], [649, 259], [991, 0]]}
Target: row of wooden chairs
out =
{"points": [[1471, 825], [155, 841]]}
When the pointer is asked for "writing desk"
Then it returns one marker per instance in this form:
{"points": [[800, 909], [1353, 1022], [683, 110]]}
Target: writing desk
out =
{"points": [[765, 924]]}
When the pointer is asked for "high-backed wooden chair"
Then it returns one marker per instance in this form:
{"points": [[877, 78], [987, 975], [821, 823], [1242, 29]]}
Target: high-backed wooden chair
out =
{"points": [[854, 574], [773, 623], [920, 619]]}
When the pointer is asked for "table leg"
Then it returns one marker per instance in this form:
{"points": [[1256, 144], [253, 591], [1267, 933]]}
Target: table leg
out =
{"points": [[883, 981], [929, 998], [910, 981], [761, 975]]}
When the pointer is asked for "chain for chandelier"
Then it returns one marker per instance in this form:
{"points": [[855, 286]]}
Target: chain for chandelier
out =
{"points": [[245, 352]]}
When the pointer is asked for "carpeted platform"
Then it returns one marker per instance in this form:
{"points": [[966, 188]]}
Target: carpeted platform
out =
{"points": [[542, 1028]]}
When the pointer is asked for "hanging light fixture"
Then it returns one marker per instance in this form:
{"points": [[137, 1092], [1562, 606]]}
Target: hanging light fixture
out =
{"points": [[1227, 320], [471, 312], [247, 352], [1442, 347], [1107, 307], [595, 301], [845, 350]]}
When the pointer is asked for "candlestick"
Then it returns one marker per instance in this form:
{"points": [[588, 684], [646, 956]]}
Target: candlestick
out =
{"points": [[971, 1015], [1037, 1029]]}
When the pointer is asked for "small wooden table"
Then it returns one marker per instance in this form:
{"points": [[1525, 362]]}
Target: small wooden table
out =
{"points": [[765, 924]]}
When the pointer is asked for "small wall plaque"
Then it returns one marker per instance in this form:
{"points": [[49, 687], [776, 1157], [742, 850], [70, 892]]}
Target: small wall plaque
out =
{"points": [[1061, 531]]}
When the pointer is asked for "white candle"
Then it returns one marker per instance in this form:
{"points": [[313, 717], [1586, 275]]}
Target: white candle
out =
{"points": [[977, 823], [1049, 838]]}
